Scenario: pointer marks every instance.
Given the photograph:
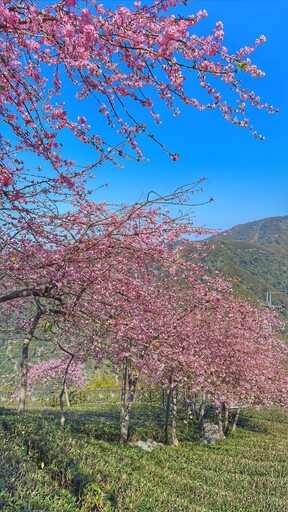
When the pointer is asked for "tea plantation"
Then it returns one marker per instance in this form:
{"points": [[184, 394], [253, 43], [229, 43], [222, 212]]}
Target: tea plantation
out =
{"points": [[84, 467]]}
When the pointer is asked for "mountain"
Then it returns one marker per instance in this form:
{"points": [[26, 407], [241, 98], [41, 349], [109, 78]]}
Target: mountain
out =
{"points": [[255, 256], [270, 231]]}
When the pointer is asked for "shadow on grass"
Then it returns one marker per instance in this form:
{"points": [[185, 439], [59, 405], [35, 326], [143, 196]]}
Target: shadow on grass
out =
{"points": [[36, 448], [251, 425], [103, 422]]}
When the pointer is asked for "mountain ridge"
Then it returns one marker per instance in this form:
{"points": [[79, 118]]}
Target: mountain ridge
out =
{"points": [[255, 256], [270, 231]]}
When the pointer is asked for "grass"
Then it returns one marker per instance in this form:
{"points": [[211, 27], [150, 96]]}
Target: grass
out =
{"points": [[84, 468]]}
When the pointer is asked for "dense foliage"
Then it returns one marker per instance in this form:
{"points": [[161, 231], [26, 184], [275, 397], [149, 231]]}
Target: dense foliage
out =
{"points": [[255, 256]]}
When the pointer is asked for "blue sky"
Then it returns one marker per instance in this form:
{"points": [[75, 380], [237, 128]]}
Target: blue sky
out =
{"points": [[247, 177]]}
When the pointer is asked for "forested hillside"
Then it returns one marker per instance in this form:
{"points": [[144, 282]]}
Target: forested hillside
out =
{"points": [[255, 256], [270, 231]]}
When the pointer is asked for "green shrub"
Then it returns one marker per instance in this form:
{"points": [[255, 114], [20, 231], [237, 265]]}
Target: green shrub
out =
{"points": [[102, 380]]}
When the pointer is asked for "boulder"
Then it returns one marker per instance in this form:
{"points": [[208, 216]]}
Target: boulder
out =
{"points": [[210, 432], [148, 445]]}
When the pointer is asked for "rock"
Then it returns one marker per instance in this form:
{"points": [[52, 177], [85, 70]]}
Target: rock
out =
{"points": [[148, 445], [210, 432]]}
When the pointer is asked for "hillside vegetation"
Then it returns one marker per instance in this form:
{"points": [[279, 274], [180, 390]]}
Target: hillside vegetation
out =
{"points": [[255, 256], [269, 231]]}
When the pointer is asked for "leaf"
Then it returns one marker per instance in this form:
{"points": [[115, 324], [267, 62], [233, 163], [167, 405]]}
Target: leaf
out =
{"points": [[46, 326], [241, 65]]}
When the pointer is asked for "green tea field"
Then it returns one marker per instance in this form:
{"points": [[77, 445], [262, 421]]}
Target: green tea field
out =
{"points": [[84, 467]]}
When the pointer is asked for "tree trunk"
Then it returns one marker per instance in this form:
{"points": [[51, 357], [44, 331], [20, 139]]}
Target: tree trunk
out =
{"points": [[236, 418], [174, 415], [24, 362], [61, 403], [168, 401], [226, 419], [124, 391], [163, 398], [127, 407], [202, 410], [67, 395], [220, 423], [186, 401], [64, 388], [191, 410]]}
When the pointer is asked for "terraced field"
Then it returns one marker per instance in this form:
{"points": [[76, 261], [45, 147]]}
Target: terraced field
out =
{"points": [[85, 468]]}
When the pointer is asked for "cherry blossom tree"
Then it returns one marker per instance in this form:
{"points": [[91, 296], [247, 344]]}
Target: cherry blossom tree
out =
{"points": [[119, 287], [62, 372], [116, 61], [81, 256], [236, 357]]}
